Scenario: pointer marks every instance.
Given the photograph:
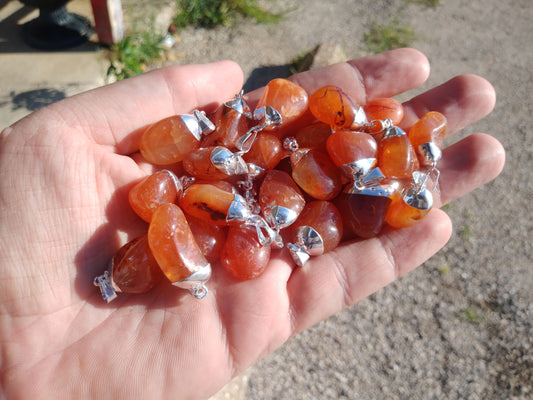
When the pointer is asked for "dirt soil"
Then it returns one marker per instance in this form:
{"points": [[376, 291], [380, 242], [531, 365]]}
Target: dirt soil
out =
{"points": [[459, 327]]}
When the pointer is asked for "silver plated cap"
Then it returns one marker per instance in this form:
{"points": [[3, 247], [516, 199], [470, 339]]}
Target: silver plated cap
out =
{"points": [[270, 115], [360, 118], [238, 210], [105, 283], [198, 124], [431, 154], [308, 242], [393, 131], [238, 104], [418, 198], [228, 162], [278, 216], [358, 169], [195, 283]]}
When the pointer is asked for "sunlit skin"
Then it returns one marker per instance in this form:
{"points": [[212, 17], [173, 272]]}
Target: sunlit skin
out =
{"points": [[64, 211]]}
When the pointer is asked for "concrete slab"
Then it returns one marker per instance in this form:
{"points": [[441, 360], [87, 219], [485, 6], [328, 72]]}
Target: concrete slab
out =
{"points": [[30, 78]]}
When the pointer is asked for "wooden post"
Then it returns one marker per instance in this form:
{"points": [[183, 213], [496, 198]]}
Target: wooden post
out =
{"points": [[108, 21]]}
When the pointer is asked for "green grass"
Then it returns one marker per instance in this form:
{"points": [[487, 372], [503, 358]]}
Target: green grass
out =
{"points": [[427, 3], [444, 269], [211, 13], [466, 232], [392, 35], [130, 56], [471, 315]]}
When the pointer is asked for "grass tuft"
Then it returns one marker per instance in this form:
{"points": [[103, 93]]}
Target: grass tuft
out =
{"points": [[211, 13], [389, 36], [130, 56]]}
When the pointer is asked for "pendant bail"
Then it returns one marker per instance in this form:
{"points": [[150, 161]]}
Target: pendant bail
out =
{"points": [[239, 104], [195, 283], [105, 284], [227, 162], [198, 124]]}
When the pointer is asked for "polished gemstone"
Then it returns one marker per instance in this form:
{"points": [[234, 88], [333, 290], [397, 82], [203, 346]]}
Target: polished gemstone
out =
{"points": [[266, 151], [384, 108], [431, 128], [397, 157], [316, 174], [161, 187], [331, 105], [135, 269], [207, 202], [167, 141], [173, 244], [280, 189], [363, 214], [286, 97], [242, 254], [346, 146]]}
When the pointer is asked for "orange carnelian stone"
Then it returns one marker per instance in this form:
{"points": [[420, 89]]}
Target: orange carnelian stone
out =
{"points": [[242, 254], [313, 136], [158, 188], [364, 214], [266, 151], [333, 106], [198, 164], [279, 188], [345, 147], [316, 174], [173, 244], [167, 141], [207, 202], [135, 269], [210, 237], [323, 217], [397, 157], [230, 126], [402, 215], [384, 108], [430, 128], [286, 97]]}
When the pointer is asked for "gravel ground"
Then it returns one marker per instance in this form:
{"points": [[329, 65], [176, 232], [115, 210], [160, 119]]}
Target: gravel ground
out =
{"points": [[460, 326]]}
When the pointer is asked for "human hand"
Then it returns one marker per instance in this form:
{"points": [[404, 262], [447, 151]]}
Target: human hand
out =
{"points": [[66, 170]]}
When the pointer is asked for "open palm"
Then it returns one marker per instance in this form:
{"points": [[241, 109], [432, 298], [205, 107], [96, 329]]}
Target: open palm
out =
{"points": [[65, 171]]}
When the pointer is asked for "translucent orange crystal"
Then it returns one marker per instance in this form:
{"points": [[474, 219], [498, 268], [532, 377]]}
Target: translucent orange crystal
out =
{"points": [[345, 147], [207, 202], [242, 254], [135, 269], [230, 126], [383, 108], [397, 157], [333, 106], [279, 188], [316, 174], [313, 136], [198, 164], [173, 244], [210, 237], [154, 190], [430, 128], [167, 141], [286, 97], [266, 151], [363, 214]]}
